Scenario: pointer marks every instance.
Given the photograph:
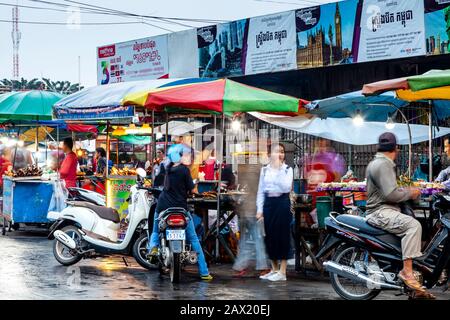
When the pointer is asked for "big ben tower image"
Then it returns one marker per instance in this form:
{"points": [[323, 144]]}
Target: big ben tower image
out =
{"points": [[337, 23]]}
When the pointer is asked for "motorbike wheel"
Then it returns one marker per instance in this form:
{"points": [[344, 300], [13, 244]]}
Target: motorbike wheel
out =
{"points": [[62, 254], [175, 268], [140, 252], [348, 289]]}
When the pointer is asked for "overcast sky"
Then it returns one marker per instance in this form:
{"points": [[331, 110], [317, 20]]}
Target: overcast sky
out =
{"points": [[52, 51]]}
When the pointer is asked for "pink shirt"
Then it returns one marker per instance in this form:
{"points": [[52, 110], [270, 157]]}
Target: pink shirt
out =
{"points": [[68, 170]]}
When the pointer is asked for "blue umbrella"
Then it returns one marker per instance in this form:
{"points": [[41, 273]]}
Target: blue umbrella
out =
{"points": [[349, 104]]}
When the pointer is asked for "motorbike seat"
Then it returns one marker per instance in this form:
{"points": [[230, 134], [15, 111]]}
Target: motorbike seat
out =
{"points": [[106, 213], [360, 223]]}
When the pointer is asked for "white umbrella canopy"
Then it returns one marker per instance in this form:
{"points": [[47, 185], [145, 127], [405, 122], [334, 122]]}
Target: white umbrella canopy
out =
{"points": [[179, 128], [345, 131]]}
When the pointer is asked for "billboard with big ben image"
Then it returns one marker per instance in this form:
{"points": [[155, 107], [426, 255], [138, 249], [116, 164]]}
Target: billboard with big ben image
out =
{"points": [[325, 34]]}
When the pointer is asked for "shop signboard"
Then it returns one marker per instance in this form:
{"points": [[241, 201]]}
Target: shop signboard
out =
{"points": [[271, 43], [140, 59], [391, 29]]}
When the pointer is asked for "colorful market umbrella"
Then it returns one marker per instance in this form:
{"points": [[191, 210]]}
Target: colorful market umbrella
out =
{"points": [[30, 134], [432, 86], [104, 102], [428, 80], [217, 96], [137, 140], [28, 105]]}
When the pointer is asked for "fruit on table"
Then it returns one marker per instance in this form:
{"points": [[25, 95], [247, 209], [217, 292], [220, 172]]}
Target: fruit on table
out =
{"points": [[123, 172]]}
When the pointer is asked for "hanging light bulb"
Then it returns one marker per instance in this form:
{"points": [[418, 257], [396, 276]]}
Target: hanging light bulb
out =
{"points": [[358, 120], [390, 123], [236, 125]]}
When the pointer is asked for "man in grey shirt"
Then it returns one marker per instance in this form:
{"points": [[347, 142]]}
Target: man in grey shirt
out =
{"points": [[384, 197]]}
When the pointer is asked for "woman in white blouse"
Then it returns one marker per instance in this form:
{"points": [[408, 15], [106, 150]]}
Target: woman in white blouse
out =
{"points": [[273, 205]]}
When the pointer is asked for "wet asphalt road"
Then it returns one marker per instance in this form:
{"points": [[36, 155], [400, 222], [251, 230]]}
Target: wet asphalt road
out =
{"points": [[28, 270]]}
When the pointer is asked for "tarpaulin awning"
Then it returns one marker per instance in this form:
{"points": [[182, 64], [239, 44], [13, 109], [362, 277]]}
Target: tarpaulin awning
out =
{"points": [[104, 102], [343, 130], [75, 127], [28, 105], [217, 96], [372, 108]]}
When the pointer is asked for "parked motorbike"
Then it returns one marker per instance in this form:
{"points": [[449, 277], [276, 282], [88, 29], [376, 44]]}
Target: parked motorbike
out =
{"points": [[367, 260], [86, 228], [174, 253], [79, 194]]}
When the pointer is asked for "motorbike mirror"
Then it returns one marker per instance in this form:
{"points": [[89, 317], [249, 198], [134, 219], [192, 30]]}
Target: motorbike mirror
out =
{"points": [[141, 172]]}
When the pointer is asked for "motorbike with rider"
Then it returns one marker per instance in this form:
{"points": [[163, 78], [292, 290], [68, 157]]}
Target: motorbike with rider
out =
{"points": [[178, 184], [379, 252]]}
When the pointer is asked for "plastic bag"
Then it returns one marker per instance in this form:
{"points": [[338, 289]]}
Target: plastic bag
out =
{"points": [[59, 197]]}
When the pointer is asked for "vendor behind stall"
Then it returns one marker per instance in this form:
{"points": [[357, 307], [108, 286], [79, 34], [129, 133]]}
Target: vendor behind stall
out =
{"points": [[68, 169], [100, 157]]}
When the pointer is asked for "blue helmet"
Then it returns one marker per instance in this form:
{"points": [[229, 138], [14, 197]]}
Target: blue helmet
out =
{"points": [[175, 153]]}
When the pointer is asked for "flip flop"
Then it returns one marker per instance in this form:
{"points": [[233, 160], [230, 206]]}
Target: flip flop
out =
{"points": [[411, 283], [422, 295]]}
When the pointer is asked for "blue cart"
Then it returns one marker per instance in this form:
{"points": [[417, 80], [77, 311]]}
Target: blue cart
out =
{"points": [[26, 201]]}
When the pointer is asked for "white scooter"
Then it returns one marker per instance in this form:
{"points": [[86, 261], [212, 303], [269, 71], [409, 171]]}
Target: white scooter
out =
{"points": [[85, 229]]}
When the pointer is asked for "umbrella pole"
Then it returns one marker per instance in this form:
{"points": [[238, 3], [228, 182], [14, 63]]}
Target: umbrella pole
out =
{"points": [[166, 142], [220, 158], [57, 150], [107, 149], [153, 145], [37, 142], [430, 142]]}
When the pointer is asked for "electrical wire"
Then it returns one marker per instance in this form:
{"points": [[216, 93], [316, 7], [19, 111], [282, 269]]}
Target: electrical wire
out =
{"points": [[305, 2], [81, 23], [114, 12], [89, 11]]}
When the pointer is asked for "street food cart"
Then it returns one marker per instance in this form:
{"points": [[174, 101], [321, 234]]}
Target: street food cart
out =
{"points": [[27, 200]]}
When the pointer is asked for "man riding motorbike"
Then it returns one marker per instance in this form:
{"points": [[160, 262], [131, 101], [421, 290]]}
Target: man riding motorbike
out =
{"points": [[177, 184], [384, 198]]}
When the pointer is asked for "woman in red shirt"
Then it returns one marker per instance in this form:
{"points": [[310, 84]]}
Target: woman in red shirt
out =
{"points": [[68, 169]]}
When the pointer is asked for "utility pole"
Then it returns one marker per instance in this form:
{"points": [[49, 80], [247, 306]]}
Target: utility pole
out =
{"points": [[16, 35]]}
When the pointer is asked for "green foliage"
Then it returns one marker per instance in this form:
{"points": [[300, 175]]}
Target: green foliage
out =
{"points": [[63, 87]]}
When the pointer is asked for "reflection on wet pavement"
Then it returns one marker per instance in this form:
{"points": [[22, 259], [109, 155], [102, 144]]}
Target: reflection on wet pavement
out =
{"points": [[28, 270]]}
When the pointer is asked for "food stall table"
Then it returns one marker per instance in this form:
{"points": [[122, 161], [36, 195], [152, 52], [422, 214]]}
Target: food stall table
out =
{"points": [[301, 233], [227, 213], [26, 200]]}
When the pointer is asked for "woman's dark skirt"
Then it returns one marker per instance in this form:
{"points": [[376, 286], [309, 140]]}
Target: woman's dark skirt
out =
{"points": [[277, 225]]}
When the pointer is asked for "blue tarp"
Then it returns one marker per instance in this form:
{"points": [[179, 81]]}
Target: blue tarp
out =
{"points": [[347, 105]]}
